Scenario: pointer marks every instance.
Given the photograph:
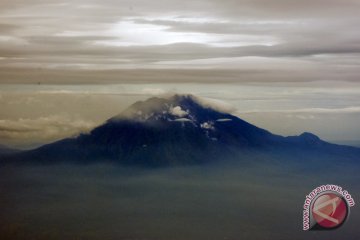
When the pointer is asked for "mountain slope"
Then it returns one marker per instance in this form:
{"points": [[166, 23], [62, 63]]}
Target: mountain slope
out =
{"points": [[176, 131]]}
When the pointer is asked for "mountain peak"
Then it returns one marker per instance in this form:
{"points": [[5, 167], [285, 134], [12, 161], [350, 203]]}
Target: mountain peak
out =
{"points": [[309, 136], [184, 108]]}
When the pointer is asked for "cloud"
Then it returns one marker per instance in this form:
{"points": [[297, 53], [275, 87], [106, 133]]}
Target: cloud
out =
{"points": [[106, 35], [345, 110], [178, 111], [42, 129], [216, 104], [182, 120], [169, 43], [301, 116], [223, 120], [207, 125], [329, 110], [6, 28], [153, 91]]}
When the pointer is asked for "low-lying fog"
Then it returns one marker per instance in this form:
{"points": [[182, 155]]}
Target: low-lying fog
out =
{"points": [[184, 203]]}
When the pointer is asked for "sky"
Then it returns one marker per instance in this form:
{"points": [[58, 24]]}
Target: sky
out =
{"points": [[287, 66]]}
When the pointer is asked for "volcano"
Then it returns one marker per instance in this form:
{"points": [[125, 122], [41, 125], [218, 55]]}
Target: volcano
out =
{"points": [[179, 130]]}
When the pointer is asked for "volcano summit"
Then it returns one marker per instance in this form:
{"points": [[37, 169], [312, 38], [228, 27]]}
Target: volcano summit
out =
{"points": [[179, 130]]}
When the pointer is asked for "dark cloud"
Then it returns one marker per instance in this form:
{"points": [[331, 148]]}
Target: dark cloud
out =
{"points": [[71, 76], [7, 28], [83, 34]]}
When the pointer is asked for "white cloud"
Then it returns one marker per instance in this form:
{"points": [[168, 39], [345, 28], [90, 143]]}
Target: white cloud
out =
{"points": [[329, 110], [153, 91], [131, 33], [301, 116], [223, 120], [344, 110], [215, 104], [178, 112], [207, 125], [41, 130], [182, 120]]}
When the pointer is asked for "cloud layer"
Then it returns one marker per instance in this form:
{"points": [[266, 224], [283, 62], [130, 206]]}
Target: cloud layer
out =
{"points": [[40, 130], [285, 40]]}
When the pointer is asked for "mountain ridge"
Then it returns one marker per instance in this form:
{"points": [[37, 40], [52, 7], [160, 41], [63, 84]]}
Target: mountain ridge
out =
{"points": [[179, 130]]}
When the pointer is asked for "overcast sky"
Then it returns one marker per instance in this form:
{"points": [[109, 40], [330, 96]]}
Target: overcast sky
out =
{"points": [[285, 65]]}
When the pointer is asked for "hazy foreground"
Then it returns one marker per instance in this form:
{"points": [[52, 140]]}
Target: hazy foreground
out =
{"points": [[199, 202]]}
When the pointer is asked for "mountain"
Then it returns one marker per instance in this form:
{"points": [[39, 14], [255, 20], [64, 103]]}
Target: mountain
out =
{"points": [[179, 130]]}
